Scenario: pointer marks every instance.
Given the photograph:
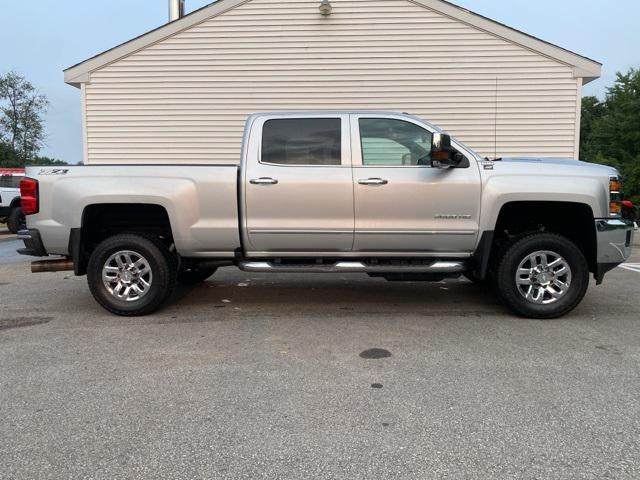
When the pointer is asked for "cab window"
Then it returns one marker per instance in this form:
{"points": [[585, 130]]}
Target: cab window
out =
{"points": [[10, 181], [390, 142], [302, 141]]}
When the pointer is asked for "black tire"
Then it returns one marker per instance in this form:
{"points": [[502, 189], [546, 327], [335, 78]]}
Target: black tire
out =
{"points": [[505, 275], [162, 264], [194, 275], [16, 220]]}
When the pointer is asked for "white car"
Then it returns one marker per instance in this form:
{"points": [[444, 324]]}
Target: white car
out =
{"points": [[10, 211]]}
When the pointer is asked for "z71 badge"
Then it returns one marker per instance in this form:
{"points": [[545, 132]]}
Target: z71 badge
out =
{"points": [[53, 171]]}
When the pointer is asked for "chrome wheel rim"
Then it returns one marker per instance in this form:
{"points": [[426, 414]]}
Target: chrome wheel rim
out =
{"points": [[543, 277], [127, 276]]}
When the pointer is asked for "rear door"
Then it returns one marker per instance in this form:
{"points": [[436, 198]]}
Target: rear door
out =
{"points": [[402, 204], [298, 185]]}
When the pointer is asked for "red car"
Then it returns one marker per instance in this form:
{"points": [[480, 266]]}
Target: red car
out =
{"points": [[630, 212]]}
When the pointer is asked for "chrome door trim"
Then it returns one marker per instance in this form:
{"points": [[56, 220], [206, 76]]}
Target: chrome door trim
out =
{"points": [[359, 254], [302, 166], [300, 232], [417, 232]]}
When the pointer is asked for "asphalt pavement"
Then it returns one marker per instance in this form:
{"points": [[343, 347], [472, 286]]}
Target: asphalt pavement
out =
{"points": [[8, 246], [316, 376]]}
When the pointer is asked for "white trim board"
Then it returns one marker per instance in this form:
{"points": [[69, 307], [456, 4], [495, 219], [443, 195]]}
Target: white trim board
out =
{"points": [[583, 67]]}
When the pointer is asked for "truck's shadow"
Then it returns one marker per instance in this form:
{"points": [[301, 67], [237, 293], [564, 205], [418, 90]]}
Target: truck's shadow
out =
{"points": [[323, 295]]}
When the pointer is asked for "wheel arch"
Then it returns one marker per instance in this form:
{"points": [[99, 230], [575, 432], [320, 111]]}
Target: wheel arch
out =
{"points": [[103, 220], [573, 220], [500, 191]]}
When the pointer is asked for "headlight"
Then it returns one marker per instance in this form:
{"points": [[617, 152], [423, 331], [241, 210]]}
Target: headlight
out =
{"points": [[615, 196]]}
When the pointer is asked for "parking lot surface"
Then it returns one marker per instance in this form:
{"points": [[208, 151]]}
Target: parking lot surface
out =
{"points": [[268, 376], [8, 246]]}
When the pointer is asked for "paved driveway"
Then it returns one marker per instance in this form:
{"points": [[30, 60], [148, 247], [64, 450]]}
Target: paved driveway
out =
{"points": [[258, 376], [8, 246]]}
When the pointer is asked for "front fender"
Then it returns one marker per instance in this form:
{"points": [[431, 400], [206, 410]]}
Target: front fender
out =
{"points": [[498, 191]]}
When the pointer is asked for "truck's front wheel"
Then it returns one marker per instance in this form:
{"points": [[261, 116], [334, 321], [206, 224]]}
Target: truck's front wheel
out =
{"points": [[131, 275], [542, 275]]}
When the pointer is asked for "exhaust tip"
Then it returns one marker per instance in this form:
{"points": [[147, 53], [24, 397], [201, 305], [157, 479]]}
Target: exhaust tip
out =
{"points": [[58, 265]]}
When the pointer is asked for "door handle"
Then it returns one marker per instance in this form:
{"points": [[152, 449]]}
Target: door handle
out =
{"points": [[263, 181], [373, 181]]}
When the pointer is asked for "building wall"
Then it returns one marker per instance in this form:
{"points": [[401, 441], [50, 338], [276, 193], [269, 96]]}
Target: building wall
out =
{"points": [[186, 97]]}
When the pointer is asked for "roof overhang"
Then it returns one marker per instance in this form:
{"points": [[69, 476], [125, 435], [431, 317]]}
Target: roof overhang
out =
{"points": [[583, 67], [80, 73]]}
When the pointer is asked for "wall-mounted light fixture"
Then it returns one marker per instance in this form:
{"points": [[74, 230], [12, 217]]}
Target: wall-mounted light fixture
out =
{"points": [[325, 8]]}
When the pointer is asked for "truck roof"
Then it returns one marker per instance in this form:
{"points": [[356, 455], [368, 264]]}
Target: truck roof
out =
{"points": [[332, 112], [298, 113]]}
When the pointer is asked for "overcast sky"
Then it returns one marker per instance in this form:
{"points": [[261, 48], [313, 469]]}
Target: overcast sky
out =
{"points": [[39, 38]]}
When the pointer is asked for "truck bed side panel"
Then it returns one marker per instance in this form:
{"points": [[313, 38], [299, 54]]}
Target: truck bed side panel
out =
{"points": [[201, 202]]}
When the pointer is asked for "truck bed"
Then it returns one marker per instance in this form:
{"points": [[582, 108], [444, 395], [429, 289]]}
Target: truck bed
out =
{"points": [[201, 202]]}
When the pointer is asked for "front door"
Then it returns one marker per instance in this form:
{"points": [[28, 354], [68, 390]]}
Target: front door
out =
{"points": [[402, 204], [299, 185]]}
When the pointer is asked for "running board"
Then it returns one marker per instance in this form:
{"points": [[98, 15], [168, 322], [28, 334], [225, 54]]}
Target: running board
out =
{"points": [[438, 266]]}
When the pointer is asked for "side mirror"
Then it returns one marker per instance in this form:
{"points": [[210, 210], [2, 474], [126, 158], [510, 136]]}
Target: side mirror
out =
{"points": [[443, 155]]}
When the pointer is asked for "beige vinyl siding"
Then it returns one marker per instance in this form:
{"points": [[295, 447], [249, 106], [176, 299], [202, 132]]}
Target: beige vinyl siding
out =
{"points": [[185, 98]]}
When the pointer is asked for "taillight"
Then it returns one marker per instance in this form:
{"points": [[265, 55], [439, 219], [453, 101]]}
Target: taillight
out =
{"points": [[29, 196], [615, 197]]}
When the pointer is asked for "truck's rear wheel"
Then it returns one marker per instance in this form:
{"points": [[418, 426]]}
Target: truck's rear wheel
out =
{"points": [[131, 275], [542, 275], [16, 220]]}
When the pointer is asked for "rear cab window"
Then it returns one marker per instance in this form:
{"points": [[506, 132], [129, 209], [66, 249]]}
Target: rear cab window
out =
{"points": [[302, 142]]}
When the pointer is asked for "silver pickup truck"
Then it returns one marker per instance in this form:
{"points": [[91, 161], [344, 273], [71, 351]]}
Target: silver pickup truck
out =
{"points": [[380, 193]]}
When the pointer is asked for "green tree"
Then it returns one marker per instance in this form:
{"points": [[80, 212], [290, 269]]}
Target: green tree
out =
{"points": [[611, 129], [46, 161], [592, 110], [21, 110], [8, 157]]}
